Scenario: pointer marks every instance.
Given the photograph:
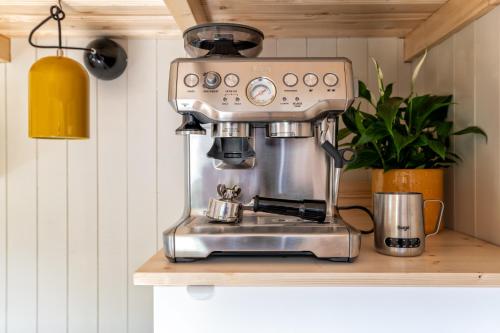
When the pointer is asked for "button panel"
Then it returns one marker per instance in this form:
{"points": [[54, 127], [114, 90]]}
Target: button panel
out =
{"points": [[402, 242], [297, 86]]}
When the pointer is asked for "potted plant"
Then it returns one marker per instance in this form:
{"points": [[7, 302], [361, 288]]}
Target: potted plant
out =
{"points": [[406, 141]]}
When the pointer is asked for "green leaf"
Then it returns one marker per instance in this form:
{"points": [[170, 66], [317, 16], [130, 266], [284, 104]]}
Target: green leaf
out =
{"points": [[364, 92], [365, 158], [348, 119], [438, 147], [373, 133], [472, 130], [401, 141], [388, 90], [358, 121], [388, 111], [444, 129], [343, 133]]}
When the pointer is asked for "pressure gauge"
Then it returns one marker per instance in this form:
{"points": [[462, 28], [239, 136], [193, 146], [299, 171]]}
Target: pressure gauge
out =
{"points": [[231, 80], [261, 91], [310, 79]]}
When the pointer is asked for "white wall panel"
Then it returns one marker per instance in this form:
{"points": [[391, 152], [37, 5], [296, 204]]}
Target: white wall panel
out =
{"points": [[141, 176], [22, 224], [3, 199], [112, 214], [468, 65], [487, 67], [464, 115], [321, 47], [170, 147], [83, 249]]}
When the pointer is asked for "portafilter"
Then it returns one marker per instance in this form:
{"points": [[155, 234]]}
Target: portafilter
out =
{"points": [[227, 209]]}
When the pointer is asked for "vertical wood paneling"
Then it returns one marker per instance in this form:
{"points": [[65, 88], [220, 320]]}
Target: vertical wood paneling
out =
{"points": [[441, 60], [52, 227], [112, 167], [291, 47], [170, 147], [141, 177], [404, 71], [269, 48], [464, 115], [321, 47], [82, 219], [22, 197], [3, 199], [487, 48]]}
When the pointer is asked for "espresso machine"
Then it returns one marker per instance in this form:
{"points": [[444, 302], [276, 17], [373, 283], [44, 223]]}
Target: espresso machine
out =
{"points": [[263, 166]]}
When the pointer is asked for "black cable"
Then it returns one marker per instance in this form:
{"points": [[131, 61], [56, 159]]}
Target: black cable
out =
{"points": [[57, 14], [364, 209]]}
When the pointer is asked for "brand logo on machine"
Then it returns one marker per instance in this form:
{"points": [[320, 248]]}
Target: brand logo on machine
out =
{"points": [[403, 227], [261, 68]]}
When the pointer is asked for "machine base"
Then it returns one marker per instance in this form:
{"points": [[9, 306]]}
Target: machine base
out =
{"points": [[197, 237]]}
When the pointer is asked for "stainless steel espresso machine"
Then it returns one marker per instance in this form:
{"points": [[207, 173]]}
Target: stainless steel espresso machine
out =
{"points": [[263, 167]]}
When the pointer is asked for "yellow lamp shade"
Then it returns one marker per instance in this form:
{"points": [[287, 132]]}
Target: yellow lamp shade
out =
{"points": [[58, 99]]}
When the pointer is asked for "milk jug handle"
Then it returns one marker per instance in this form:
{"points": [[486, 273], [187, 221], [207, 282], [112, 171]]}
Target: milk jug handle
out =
{"points": [[440, 218]]}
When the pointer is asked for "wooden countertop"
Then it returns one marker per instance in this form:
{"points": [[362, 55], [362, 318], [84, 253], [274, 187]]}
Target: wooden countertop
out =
{"points": [[450, 259]]}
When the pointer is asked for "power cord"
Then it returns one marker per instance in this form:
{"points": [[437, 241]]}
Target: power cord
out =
{"points": [[364, 209]]}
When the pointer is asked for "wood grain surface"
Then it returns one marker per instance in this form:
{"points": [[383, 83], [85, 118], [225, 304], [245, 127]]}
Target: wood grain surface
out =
{"points": [[450, 259]]}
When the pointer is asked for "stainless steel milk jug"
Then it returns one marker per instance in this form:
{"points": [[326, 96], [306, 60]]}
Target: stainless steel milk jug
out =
{"points": [[399, 223]]}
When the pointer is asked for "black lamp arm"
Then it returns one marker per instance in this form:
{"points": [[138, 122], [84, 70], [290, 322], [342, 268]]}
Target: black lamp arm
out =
{"points": [[57, 14]]}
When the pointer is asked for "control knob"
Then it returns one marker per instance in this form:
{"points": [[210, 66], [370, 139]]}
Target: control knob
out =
{"points": [[212, 80]]}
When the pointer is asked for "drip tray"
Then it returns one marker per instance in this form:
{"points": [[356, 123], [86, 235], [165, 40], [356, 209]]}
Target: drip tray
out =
{"points": [[198, 237]]}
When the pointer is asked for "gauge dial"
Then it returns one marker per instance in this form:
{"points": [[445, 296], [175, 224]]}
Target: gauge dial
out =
{"points": [[231, 80], [261, 91], [310, 79]]}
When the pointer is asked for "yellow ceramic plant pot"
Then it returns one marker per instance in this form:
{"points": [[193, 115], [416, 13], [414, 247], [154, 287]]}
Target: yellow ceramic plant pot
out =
{"points": [[429, 182]]}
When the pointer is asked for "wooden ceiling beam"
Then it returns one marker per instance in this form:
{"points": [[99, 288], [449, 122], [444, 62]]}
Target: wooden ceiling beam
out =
{"points": [[187, 13], [451, 17], [4, 49]]}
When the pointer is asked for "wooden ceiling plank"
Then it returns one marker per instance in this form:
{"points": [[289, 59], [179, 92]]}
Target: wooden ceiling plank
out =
{"points": [[451, 17], [187, 13], [4, 49]]}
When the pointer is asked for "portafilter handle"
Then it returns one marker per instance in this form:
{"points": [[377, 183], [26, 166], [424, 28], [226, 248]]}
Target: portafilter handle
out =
{"points": [[313, 210]]}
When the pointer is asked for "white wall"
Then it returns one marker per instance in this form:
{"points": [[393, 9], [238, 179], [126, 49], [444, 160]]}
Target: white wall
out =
{"points": [[467, 65], [78, 217]]}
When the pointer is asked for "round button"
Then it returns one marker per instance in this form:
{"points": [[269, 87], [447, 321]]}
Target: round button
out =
{"points": [[310, 79], [212, 80], [330, 79], [231, 80], [290, 79], [191, 80]]}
